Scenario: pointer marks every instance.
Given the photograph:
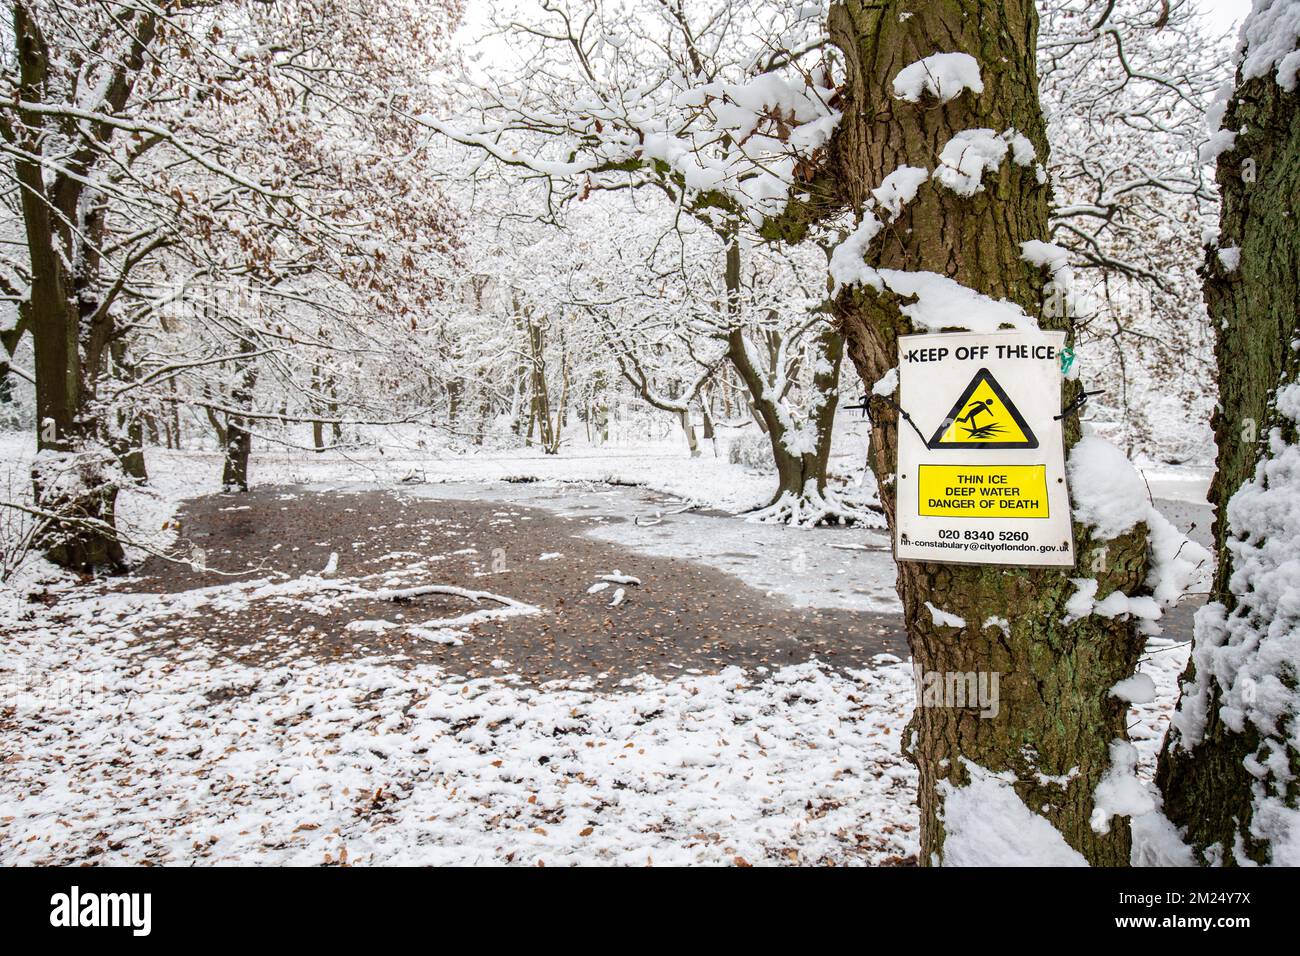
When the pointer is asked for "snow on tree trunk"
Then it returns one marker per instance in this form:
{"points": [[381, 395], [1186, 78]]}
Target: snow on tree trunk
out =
{"points": [[239, 441], [126, 438], [72, 479], [688, 429], [801, 445], [1228, 770], [1048, 741]]}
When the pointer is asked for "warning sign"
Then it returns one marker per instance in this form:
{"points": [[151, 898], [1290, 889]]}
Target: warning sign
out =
{"points": [[981, 464], [984, 418]]}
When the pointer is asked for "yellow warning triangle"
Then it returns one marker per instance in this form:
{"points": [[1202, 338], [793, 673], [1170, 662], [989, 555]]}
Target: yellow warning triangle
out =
{"points": [[984, 417]]}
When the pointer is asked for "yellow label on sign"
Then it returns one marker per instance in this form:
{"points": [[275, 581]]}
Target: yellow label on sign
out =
{"points": [[983, 491]]}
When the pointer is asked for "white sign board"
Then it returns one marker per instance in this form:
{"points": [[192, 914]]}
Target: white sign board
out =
{"points": [[981, 466]]}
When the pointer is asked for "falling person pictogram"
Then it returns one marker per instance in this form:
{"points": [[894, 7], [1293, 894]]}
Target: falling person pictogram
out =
{"points": [[979, 431], [984, 416]]}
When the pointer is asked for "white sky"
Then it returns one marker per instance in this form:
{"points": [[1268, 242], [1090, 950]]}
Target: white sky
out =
{"points": [[1225, 15]]}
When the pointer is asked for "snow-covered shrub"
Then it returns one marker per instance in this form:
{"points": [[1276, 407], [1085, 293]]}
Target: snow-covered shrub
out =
{"points": [[751, 449], [17, 533]]}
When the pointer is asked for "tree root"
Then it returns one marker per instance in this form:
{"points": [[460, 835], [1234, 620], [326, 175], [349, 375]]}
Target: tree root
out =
{"points": [[812, 508]]}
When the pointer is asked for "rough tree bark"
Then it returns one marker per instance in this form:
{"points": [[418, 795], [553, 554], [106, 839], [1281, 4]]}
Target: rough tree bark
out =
{"points": [[70, 479], [175, 436], [1056, 717], [547, 429], [317, 426], [1256, 313], [323, 387]]}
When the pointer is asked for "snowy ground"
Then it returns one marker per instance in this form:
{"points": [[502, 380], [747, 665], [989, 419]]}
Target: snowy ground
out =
{"points": [[183, 759], [122, 742]]}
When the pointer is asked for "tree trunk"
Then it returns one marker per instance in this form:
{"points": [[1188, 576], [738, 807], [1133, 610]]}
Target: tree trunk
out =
{"points": [[561, 419], [598, 415], [485, 412], [688, 428], [69, 479], [317, 425], [1207, 786], [234, 471], [174, 417], [826, 390], [1055, 717], [541, 412], [801, 470], [239, 442], [706, 410], [152, 435], [454, 390], [127, 440], [217, 427], [129, 446]]}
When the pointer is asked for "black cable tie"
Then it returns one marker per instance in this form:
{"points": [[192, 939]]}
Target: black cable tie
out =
{"points": [[862, 408], [867, 399], [1076, 406]]}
